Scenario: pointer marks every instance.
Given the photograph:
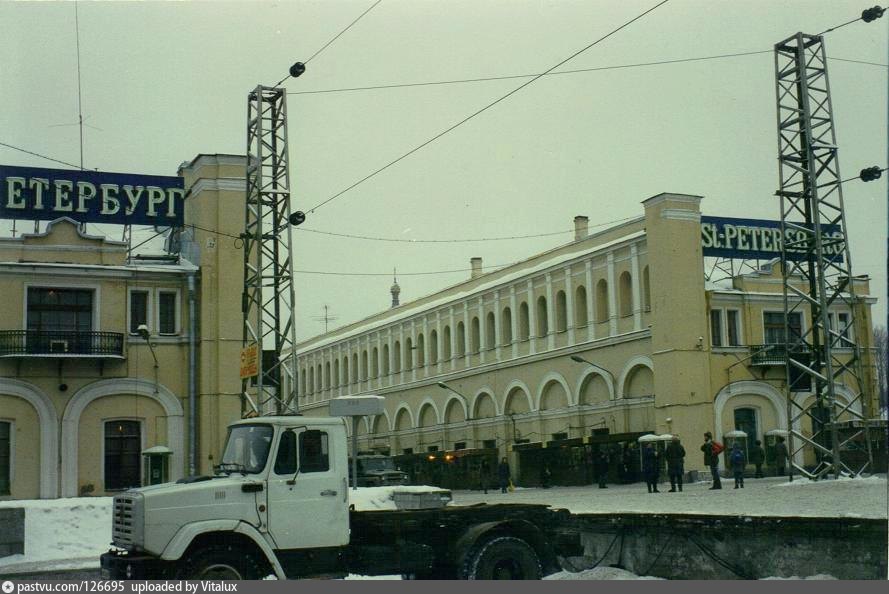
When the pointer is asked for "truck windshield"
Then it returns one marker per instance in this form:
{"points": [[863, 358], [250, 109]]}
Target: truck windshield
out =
{"points": [[377, 464], [247, 449]]}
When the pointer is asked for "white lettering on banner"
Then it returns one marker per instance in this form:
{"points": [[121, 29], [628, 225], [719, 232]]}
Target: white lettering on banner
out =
{"points": [[110, 203], [133, 198], [37, 185], [63, 199], [707, 231], [155, 196], [172, 194], [14, 194], [85, 191], [742, 238]]}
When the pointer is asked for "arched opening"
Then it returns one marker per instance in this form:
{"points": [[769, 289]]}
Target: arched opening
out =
{"points": [[490, 331], [506, 326], [336, 373], [364, 375], [427, 416], [454, 412], [433, 347], [484, 407], [461, 339], [318, 379], [626, 294], [517, 402], [594, 390], [553, 396], [311, 380], [355, 366], [385, 360], [302, 381], [375, 363], [421, 351], [602, 301], [542, 321], [326, 385], [446, 343], [345, 370], [580, 317], [396, 359], [524, 322], [402, 420], [561, 312], [475, 336], [408, 353], [639, 382]]}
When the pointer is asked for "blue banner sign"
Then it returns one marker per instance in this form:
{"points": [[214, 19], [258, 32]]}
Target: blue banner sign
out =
{"points": [[32, 193], [757, 239]]}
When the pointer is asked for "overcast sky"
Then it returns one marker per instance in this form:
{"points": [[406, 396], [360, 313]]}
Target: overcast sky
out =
{"points": [[164, 81]]}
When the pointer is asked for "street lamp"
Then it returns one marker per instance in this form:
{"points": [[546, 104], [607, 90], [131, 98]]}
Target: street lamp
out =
{"points": [[142, 330], [579, 359], [444, 386]]}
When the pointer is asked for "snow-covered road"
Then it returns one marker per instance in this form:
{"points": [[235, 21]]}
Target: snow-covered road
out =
{"points": [[866, 498]]}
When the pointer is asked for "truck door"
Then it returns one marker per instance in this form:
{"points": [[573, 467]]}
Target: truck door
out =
{"points": [[307, 495]]}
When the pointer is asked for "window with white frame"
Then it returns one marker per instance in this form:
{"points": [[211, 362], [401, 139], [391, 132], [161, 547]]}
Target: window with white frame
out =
{"points": [[5, 457], [716, 327], [773, 326], [167, 312], [725, 327], [139, 307], [733, 327], [840, 323]]}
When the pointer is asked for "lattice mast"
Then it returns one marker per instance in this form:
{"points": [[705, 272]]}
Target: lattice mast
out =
{"points": [[816, 264], [268, 298]]}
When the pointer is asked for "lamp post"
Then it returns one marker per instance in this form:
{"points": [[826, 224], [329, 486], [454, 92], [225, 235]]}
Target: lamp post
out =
{"points": [[579, 359], [444, 386], [143, 333]]}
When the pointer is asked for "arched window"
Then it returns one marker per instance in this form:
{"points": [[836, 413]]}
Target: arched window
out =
{"points": [[336, 374], [421, 351], [506, 326], [602, 301], [385, 360], [646, 290], [408, 353], [375, 363], [355, 366], [626, 294], [311, 380], [396, 358], [327, 376], [364, 369], [542, 321], [561, 312], [490, 331], [475, 338], [446, 343], [461, 339], [345, 369], [302, 381], [318, 378], [524, 322], [433, 347], [580, 319]]}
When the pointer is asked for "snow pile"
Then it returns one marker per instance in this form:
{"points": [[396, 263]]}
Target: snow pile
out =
{"points": [[819, 576], [599, 573], [373, 498], [72, 531]]}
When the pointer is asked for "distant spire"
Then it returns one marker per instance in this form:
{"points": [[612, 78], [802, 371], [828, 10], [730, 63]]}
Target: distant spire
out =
{"points": [[395, 289]]}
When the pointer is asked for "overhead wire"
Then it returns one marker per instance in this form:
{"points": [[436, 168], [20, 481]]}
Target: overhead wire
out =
{"points": [[17, 148], [485, 108]]}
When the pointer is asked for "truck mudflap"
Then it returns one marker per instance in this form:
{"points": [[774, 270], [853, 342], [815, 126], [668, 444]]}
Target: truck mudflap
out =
{"points": [[123, 565]]}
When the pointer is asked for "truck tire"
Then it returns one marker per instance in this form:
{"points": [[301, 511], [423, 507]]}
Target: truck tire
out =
{"points": [[221, 562], [501, 558]]}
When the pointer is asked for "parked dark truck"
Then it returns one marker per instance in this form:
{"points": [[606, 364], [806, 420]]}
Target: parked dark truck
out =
{"points": [[378, 471], [280, 505]]}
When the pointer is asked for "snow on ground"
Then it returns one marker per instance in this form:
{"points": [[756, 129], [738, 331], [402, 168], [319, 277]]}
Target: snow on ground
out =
{"points": [[775, 496], [371, 498], [600, 573]]}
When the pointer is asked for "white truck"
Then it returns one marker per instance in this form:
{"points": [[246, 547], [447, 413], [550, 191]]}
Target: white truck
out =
{"points": [[279, 505]]}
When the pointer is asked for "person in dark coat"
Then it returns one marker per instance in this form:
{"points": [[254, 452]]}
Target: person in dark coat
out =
{"points": [[780, 455], [675, 455], [484, 475], [503, 474], [650, 467], [739, 462], [545, 476], [601, 458], [711, 460], [757, 457]]}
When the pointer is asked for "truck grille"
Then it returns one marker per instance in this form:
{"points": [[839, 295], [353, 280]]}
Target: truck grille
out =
{"points": [[127, 520]]}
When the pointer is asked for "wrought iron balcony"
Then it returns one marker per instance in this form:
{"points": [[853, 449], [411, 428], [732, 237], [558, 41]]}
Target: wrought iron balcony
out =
{"points": [[58, 343], [776, 354]]}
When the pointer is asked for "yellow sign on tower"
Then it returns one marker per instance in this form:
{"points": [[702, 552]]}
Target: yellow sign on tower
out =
{"points": [[249, 361]]}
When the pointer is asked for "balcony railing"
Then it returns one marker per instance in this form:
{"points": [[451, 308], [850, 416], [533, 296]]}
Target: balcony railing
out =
{"points": [[776, 354], [58, 343]]}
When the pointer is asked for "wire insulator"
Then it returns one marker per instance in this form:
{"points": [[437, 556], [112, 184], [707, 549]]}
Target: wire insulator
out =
{"points": [[871, 14]]}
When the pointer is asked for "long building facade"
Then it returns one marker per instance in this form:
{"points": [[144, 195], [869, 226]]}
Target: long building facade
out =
{"points": [[589, 345]]}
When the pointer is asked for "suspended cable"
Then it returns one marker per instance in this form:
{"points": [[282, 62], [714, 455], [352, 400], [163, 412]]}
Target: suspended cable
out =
{"points": [[325, 46], [39, 155], [485, 108], [389, 274], [867, 15]]}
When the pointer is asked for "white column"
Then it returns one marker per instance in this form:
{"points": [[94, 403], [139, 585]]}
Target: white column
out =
{"points": [[339, 370], [452, 339], [590, 295], [569, 304], [550, 318], [498, 323], [413, 354], [380, 354], [637, 283], [513, 321], [438, 342], [612, 297], [403, 353], [466, 334], [482, 329], [532, 319]]}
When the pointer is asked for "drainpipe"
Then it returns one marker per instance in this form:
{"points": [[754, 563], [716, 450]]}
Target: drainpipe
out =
{"points": [[192, 377]]}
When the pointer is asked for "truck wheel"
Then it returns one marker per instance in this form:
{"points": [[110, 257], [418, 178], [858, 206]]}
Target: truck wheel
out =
{"points": [[501, 558], [221, 562]]}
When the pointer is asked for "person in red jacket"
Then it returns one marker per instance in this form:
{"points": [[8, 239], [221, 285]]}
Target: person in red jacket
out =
{"points": [[711, 458]]}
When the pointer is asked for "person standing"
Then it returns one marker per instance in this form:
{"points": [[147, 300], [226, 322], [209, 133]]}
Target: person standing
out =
{"points": [[602, 467], [711, 451], [650, 467], [675, 455], [757, 457], [484, 474], [780, 455], [503, 474], [739, 463]]}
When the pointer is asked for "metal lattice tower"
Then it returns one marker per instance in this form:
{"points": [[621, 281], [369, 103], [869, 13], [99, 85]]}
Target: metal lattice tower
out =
{"points": [[267, 302], [817, 265]]}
